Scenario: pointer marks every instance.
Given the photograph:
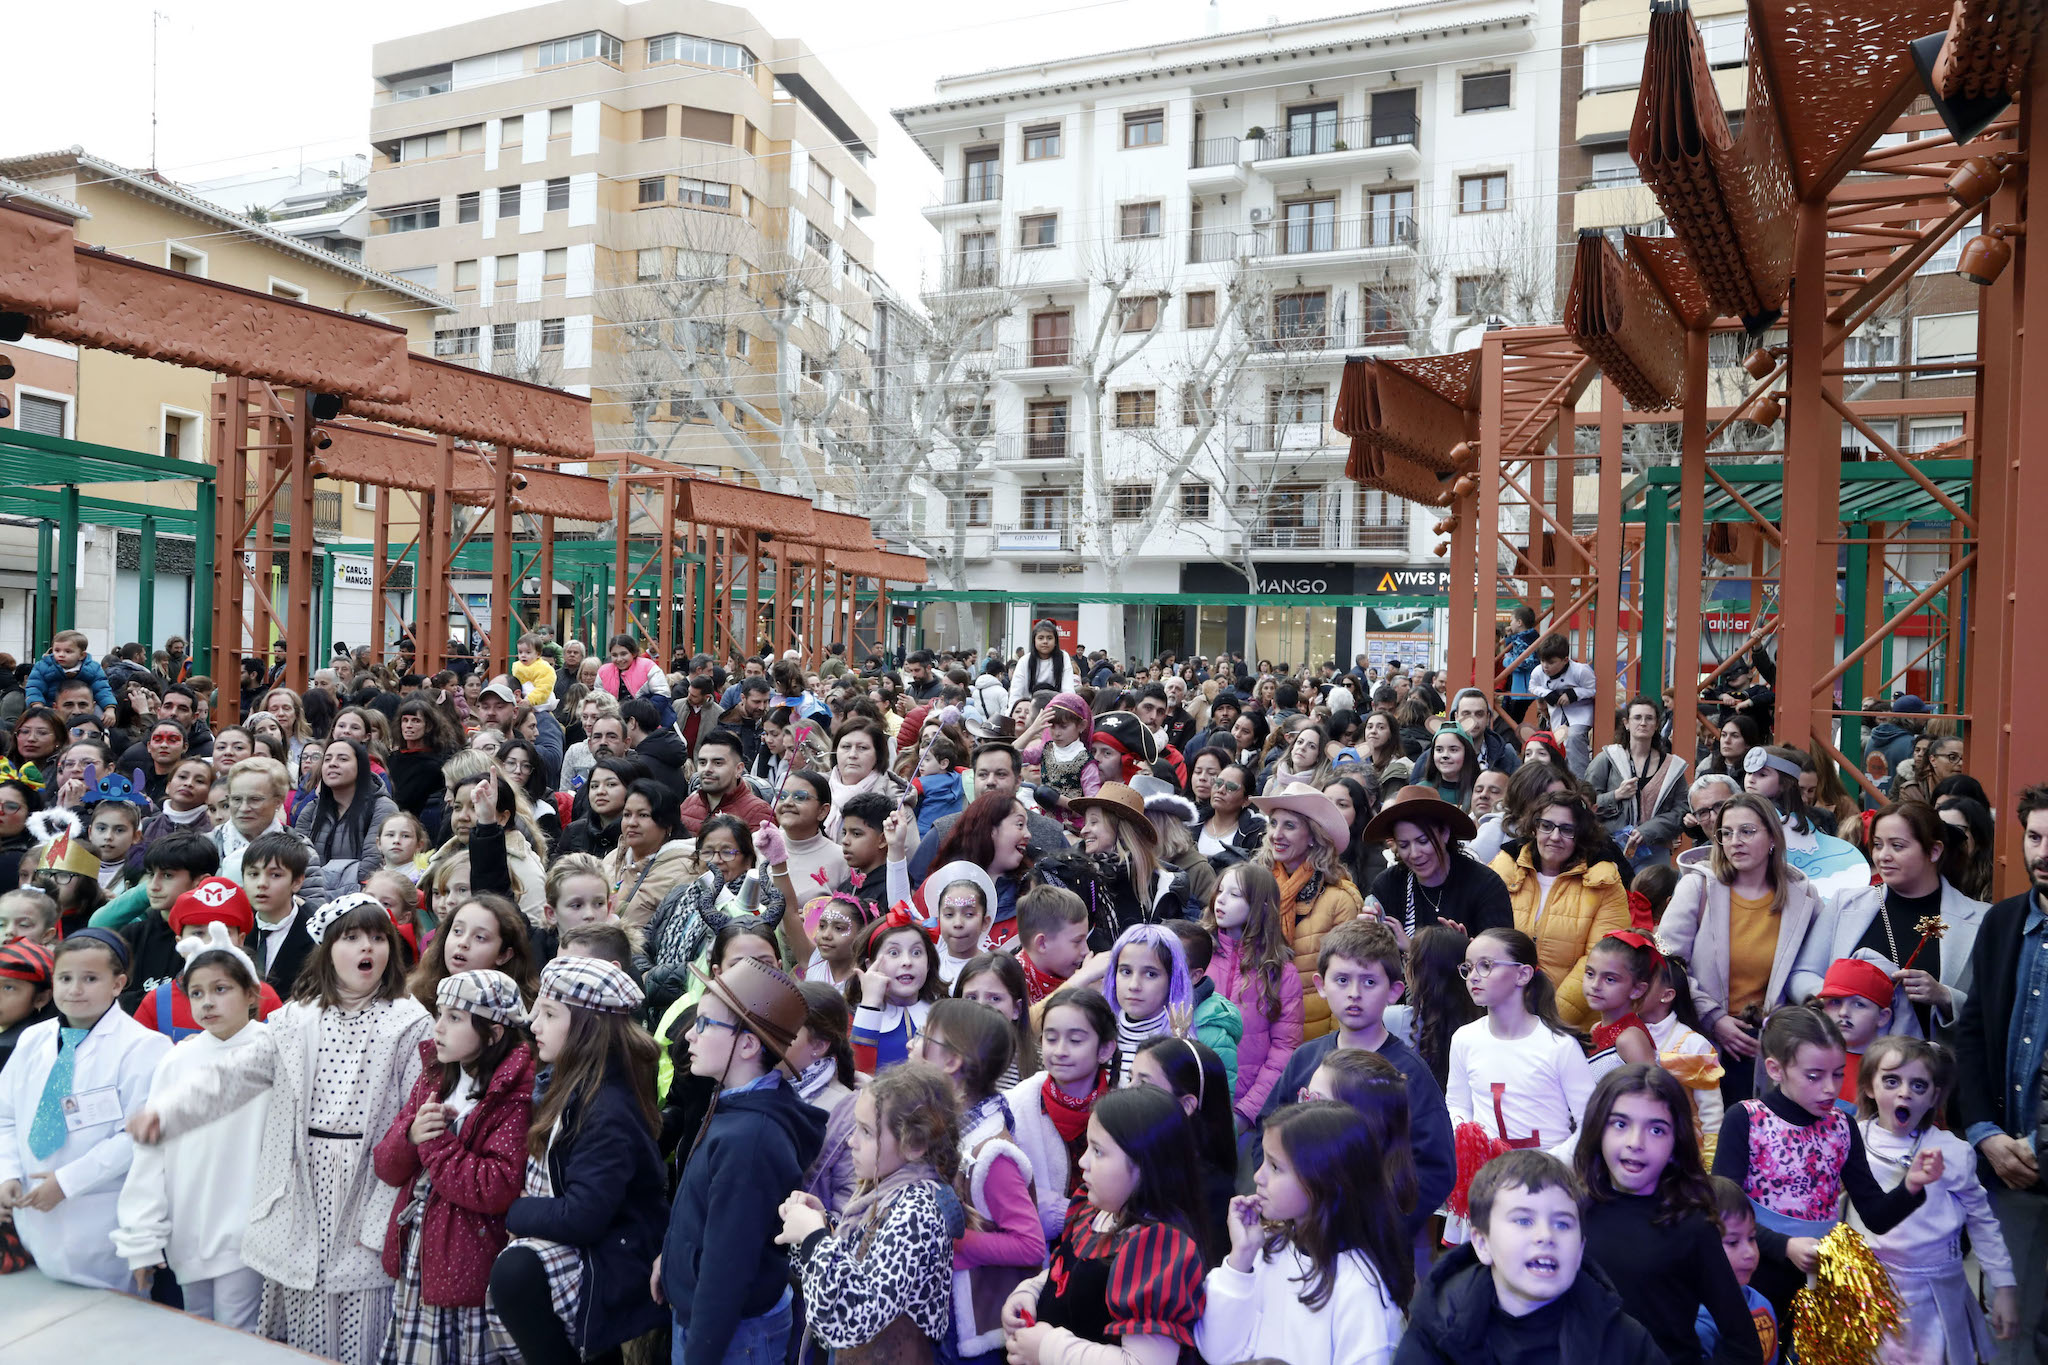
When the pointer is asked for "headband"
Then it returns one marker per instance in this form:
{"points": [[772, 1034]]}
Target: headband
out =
{"points": [[1201, 1081], [112, 941], [1758, 759]]}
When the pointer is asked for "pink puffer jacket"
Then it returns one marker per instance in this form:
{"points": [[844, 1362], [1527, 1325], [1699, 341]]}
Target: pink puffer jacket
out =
{"points": [[1264, 1050]]}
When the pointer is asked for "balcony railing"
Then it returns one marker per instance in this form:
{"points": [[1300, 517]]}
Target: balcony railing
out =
{"points": [[1215, 151], [1267, 437], [979, 188], [326, 504], [1208, 245], [1316, 236], [1380, 535], [1352, 134], [1036, 445], [973, 272], [1038, 355], [1327, 533]]}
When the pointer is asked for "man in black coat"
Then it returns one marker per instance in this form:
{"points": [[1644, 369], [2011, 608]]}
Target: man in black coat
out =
{"points": [[2000, 1039], [656, 745]]}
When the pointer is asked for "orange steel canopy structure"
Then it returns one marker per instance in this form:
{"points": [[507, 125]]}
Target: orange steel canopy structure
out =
{"points": [[1808, 218], [308, 393]]}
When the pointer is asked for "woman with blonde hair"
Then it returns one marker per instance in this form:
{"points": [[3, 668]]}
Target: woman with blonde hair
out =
{"points": [[288, 709], [1306, 836]]}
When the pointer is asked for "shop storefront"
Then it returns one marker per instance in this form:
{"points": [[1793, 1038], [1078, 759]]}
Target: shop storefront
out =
{"points": [[1289, 633]]}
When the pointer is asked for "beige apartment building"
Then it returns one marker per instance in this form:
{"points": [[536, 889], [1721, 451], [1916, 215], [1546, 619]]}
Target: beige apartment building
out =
{"points": [[145, 405], [659, 205]]}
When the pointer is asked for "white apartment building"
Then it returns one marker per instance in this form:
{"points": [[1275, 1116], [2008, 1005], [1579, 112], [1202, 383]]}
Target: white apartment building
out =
{"points": [[1371, 183]]}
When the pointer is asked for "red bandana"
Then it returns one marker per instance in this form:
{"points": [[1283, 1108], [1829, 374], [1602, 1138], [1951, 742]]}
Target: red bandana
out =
{"points": [[1070, 1116]]}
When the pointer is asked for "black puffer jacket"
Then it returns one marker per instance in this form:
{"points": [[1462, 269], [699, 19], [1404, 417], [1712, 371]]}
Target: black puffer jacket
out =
{"points": [[1451, 1318]]}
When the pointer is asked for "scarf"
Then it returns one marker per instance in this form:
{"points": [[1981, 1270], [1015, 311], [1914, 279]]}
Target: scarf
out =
{"points": [[812, 1080], [1038, 983], [993, 1114], [1070, 1116], [1132, 1034], [875, 1200], [1293, 882], [232, 841]]}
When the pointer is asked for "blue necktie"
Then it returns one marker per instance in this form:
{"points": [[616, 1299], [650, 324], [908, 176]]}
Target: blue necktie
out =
{"points": [[48, 1132]]}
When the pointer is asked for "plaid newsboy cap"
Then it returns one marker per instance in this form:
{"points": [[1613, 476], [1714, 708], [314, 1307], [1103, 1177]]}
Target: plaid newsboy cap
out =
{"points": [[486, 994], [591, 984]]}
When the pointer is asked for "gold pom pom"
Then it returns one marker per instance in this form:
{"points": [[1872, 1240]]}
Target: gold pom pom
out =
{"points": [[1932, 926], [1850, 1306]]}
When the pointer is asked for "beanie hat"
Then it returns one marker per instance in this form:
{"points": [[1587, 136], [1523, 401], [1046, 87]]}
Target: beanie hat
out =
{"points": [[22, 960], [214, 900]]}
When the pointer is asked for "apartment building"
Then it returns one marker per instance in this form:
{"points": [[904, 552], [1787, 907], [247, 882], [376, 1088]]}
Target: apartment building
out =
{"points": [[324, 203], [63, 390], [1365, 184], [660, 205]]}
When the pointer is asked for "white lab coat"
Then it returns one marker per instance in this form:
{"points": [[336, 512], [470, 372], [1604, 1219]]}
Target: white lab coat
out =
{"points": [[73, 1242]]}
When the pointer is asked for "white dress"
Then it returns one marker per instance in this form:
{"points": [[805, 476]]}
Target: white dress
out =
{"points": [[347, 1326]]}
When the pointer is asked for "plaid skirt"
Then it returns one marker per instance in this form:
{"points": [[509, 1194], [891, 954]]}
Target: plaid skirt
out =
{"points": [[563, 1264], [422, 1333]]}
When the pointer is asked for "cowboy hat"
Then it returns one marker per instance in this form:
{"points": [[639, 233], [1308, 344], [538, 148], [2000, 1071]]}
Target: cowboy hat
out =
{"points": [[999, 728], [765, 998], [1116, 800], [1318, 809], [1420, 803]]}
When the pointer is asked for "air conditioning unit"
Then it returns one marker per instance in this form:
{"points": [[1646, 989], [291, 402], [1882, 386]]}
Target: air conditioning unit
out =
{"points": [[1261, 215]]}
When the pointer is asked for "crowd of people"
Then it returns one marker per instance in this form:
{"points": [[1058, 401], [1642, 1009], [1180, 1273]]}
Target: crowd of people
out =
{"points": [[1031, 1007]]}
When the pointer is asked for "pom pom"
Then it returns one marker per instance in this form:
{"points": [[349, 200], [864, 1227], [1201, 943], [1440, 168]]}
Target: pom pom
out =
{"points": [[1849, 1306], [1475, 1147]]}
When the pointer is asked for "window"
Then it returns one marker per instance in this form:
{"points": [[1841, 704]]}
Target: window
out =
{"points": [[1194, 501], [654, 189], [984, 181], [1145, 129], [1042, 142], [508, 201], [1301, 317], [468, 207], [741, 342], [710, 193], [413, 85], [1129, 501], [1925, 433], [1615, 168], [972, 420], [1390, 219], [466, 275], [1192, 401], [504, 338], [1483, 193], [1393, 117], [1477, 294], [821, 182], [654, 123], [1312, 128], [512, 132], [1874, 343], [1296, 407], [1140, 315], [43, 416], [412, 217], [420, 147], [647, 265], [507, 270], [1038, 230], [181, 437], [455, 341], [1045, 430], [1385, 308], [1137, 408], [1050, 334], [580, 48], [704, 125], [977, 264], [558, 194], [684, 47], [815, 237], [1200, 309], [969, 509], [1138, 220], [184, 259], [470, 137], [1615, 65], [1944, 336], [551, 330], [1311, 225], [283, 290], [555, 263], [1723, 36], [1042, 510], [1480, 92], [561, 122]]}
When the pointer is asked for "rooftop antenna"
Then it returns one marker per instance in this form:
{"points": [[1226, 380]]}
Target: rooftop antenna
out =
{"points": [[156, 17]]}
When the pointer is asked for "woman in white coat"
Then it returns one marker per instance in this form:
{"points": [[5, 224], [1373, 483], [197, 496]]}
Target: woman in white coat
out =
{"points": [[1045, 667], [1880, 924], [85, 1152], [1739, 924]]}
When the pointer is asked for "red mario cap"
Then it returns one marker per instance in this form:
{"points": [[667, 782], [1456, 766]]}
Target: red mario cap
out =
{"points": [[215, 898], [1853, 976]]}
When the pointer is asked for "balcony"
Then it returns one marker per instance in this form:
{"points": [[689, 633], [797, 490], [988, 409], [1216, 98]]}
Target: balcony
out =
{"points": [[1036, 540], [1292, 438], [1037, 360], [326, 504], [1313, 341], [1036, 449], [967, 274], [1216, 163], [1331, 532], [980, 189], [1209, 246], [1337, 142], [1288, 242]]}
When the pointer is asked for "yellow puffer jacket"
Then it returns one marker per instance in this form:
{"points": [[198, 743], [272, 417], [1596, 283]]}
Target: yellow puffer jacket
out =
{"points": [[1324, 906], [1586, 905]]}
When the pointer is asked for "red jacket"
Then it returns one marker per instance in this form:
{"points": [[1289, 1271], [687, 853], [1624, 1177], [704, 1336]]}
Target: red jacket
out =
{"points": [[476, 1171]]}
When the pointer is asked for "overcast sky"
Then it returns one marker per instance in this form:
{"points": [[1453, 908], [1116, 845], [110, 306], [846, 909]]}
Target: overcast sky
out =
{"points": [[247, 84]]}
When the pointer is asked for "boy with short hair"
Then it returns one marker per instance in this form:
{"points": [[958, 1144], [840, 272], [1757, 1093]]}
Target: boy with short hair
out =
{"points": [[1052, 934], [273, 871], [28, 914], [1521, 1292], [1857, 995], [112, 834], [1737, 1219], [1568, 691], [173, 865], [1217, 1023], [70, 657], [608, 940], [213, 900], [1360, 972], [534, 673], [865, 843]]}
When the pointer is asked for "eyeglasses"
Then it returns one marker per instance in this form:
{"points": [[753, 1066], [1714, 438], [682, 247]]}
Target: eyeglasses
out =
{"points": [[701, 1022], [1713, 809], [1221, 785], [1554, 829], [1483, 967], [720, 855]]}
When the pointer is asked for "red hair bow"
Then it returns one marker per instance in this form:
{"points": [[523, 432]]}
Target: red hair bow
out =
{"points": [[1637, 939], [902, 915], [1641, 914]]}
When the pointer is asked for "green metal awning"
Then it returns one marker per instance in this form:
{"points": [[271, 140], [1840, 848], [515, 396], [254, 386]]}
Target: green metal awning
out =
{"points": [[1871, 491], [30, 460], [128, 516]]}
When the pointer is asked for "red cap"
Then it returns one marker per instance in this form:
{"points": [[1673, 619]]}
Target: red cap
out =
{"points": [[1853, 976], [215, 898], [21, 960]]}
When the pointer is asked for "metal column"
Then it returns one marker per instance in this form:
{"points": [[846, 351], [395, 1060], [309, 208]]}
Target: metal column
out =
{"points": [[145, 586]]}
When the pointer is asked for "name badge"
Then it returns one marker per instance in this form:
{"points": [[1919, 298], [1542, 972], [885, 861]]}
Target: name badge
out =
{"points": [[92, 1108]]}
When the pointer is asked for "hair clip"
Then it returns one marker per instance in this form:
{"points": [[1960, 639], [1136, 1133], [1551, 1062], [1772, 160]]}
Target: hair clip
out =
{"points": [[27, 774]]}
